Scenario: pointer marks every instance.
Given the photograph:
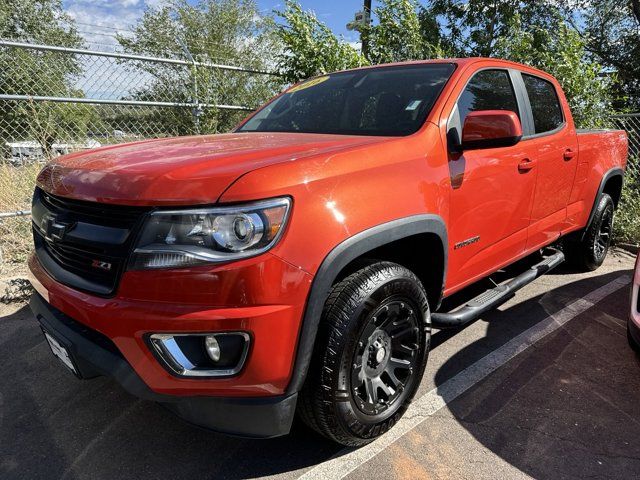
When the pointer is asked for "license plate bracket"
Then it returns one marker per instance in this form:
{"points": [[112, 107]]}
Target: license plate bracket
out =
{"points": [[61, 352]]}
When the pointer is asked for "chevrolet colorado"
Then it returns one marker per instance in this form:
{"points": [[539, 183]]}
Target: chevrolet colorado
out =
{"points": [[299, 263]]}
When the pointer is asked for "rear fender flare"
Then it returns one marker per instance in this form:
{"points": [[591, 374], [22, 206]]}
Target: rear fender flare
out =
{"points": [[614, 172]]}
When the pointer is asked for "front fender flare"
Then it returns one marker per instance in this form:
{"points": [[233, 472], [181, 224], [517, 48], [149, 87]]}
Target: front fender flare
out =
{"points": [[338, 258]]}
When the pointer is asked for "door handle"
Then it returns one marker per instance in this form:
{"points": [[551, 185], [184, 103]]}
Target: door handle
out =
{"points": [[526, 164], [568, 154]]}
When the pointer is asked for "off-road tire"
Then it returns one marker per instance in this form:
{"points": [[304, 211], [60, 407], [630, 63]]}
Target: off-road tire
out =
{"points": [[330, 401], [587, 252]]}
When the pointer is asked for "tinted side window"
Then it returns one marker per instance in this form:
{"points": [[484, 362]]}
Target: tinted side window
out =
{"points": [[488, 90], [545, 106]]}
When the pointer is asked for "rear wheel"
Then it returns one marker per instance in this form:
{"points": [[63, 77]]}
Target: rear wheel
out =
{"points": [[370, 354], [589, 252]]}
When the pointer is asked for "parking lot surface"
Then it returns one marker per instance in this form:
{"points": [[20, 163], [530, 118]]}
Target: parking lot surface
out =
{"points": [[545, 387]]}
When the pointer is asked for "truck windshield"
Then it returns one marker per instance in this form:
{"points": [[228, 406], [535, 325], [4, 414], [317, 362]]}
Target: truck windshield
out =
{"points": [[389, 101]]}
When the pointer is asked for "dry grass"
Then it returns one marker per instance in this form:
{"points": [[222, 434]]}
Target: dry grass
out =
{"points": [[16, 189]]}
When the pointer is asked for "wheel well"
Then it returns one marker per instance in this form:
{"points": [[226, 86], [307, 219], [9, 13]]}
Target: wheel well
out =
{"points": [[613, 188], [423, 254]]}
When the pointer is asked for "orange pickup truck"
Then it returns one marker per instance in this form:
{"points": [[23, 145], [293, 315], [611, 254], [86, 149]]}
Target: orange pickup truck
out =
{"points": [[299, 263]]}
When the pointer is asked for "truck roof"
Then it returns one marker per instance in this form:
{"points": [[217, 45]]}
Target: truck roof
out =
{"points": [[461, 62]]}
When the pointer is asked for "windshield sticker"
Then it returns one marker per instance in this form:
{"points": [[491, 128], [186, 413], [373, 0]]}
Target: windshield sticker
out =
{"points": [[413, 105], [310, 83]]}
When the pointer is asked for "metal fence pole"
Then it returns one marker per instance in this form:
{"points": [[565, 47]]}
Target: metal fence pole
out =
{"points": [[196, 110]]}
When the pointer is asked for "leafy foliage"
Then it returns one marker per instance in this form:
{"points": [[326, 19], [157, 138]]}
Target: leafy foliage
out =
{"points": [[626, 227], [310, 48], [213, 31], [397, 35], [611, 32], [559, 50], [39, 73], [475, 26], [405, 31]]}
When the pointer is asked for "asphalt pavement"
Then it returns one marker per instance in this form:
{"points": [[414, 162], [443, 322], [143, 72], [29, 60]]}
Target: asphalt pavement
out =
{"points": [[543, 387]]}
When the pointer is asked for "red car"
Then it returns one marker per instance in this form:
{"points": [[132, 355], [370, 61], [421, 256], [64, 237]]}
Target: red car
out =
{"points": [[300, 262]]}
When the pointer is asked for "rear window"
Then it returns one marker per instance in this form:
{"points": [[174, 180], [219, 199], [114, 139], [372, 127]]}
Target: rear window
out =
{"points": [[380, 101], [545, 106]]}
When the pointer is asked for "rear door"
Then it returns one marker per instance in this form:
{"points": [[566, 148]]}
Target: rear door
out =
{"points": [[553, 145]]}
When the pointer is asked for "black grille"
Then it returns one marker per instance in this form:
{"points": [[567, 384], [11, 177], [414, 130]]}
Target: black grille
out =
{"points": [[84, 244], [103, 213]]}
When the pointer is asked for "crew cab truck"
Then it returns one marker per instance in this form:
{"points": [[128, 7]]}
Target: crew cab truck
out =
{"points": [[299, 263]]}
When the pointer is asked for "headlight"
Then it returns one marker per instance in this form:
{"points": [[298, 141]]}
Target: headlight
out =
{"points": [[184, 238]]}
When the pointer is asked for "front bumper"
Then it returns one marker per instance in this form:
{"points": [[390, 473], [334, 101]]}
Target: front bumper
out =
{"points": [[263, 296], [95, 354]]}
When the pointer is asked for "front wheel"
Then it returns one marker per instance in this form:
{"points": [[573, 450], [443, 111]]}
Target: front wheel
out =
{"points": [[370, 354], [589, 252]]}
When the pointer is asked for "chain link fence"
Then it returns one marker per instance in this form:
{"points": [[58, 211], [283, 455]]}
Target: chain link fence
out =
{"points": [[54, 100], [631, 124]]}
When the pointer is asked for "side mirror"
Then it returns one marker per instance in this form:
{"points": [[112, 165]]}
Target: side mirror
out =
{"points": [[490, 129]]}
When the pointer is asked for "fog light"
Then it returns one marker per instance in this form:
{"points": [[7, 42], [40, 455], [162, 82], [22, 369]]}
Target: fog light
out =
{"points": [[220, 354], [213, 349]]}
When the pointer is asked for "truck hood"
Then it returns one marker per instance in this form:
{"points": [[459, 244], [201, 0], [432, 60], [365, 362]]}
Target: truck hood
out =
{"points": [[181, 170]]}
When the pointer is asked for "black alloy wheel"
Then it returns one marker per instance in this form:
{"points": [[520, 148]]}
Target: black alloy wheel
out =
{"points": [[386, 356], [602, 239], [370, 354], [588, 248]]}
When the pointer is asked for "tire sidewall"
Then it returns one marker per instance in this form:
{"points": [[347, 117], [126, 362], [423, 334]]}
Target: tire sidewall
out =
{"points": [[593, 261], [351, 419]]}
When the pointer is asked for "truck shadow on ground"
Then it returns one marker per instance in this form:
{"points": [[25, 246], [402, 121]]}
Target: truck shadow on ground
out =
{"points": [[566, 407], [54, 426]]}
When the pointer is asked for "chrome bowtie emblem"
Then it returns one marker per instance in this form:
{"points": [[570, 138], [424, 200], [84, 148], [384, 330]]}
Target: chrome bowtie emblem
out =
{"points": [[53, 229], [101, 265]]}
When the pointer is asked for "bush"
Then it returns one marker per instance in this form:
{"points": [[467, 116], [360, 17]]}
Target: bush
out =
{"points": [[16, 190], [626, 227]]}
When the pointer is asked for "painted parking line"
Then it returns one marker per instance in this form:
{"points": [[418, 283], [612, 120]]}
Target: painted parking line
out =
{"points": [[347, 460]]}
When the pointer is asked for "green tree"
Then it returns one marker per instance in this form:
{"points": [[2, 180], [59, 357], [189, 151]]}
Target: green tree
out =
{"points": [[473, 27], [534, 33], [209, 31], [396, 36], [611, 32], [30, 72], [559, 50], [310, 48], [403, 31]]}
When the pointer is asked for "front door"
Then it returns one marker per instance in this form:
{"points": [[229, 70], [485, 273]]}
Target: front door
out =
{"points": [[491, 194]]}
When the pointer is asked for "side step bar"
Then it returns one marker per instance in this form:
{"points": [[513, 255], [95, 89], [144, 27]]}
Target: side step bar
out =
{"points": [[495, 296]]}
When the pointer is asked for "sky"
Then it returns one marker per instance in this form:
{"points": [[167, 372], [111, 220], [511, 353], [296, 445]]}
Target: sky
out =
{"points": [[99, 20]]}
